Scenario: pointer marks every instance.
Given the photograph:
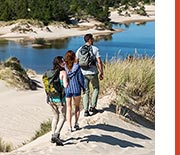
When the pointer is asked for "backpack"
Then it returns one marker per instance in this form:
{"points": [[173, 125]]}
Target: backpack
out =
{"points": [[86, 57], [52, 85]]}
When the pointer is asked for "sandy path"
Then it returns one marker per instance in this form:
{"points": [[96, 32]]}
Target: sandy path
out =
{"points": [[103, 133]]}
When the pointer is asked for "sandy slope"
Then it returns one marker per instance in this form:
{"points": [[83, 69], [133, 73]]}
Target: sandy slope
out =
{"points": [[21, 113], [103, 133], [150, 10]]}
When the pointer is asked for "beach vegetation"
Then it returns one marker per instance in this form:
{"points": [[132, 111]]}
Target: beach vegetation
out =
{"points": [[45, 127], [15, 75], [131, 6], [133, 80], [141, 11], [5, 147]]}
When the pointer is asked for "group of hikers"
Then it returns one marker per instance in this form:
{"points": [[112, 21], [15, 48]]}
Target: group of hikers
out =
{"points": [[75, 77]]}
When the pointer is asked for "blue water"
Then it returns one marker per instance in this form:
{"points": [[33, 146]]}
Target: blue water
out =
{"points": [[118, 45]]}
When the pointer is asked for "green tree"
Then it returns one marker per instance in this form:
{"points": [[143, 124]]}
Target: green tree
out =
{"points": [[59, 10], [39, 9], [7, 10], [21, 9]]}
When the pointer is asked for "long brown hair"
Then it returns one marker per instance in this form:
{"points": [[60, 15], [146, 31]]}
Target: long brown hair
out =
{"points": [[70, 59], [58, 60]]}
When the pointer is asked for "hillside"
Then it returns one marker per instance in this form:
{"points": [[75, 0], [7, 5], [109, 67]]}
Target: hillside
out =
{"points": [[103, 133]]}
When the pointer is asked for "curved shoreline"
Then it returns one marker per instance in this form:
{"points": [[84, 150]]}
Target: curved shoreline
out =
{"points": [[53, 32]]}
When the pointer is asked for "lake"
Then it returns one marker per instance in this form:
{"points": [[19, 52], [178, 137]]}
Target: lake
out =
{"points": [[139, 38]]}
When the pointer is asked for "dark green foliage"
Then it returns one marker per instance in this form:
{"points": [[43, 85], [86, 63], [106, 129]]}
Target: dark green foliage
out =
{"points": [[98, 10], [142, 11], [61, 10], [54, 10]]}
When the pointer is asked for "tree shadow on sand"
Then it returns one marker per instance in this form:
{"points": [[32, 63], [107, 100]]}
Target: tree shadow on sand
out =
{"points": [[111, 128], [109, 140]]}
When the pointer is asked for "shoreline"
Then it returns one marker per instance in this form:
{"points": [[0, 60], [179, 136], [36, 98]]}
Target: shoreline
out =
{"points": [[52, 32]]}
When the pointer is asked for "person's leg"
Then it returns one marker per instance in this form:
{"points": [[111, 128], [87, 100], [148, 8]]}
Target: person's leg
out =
{"points": [[61, 120], [68, 111], [77, 100], [55, 136], [86, 95], [95, 85], [55, 117]]}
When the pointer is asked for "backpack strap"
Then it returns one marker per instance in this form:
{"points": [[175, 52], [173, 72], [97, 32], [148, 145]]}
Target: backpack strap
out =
{"points": [[91, 51]]}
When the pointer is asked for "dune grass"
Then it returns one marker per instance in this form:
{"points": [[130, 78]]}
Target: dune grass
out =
{"points": [[134, 83], [45, 127], [5, 147]]}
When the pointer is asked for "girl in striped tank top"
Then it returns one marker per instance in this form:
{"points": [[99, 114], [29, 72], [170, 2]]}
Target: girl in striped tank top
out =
{"points": [[73, 91]]}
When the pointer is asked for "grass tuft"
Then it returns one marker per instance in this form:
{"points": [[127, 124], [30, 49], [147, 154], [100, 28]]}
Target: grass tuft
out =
{"points": [[134, 83], [45, 127], [5, 147]]}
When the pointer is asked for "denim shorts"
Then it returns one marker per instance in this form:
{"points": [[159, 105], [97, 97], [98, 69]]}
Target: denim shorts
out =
{"points": [[68, 95]]}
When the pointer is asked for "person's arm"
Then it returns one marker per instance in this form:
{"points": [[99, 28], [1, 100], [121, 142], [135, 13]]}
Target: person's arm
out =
{"points": [[100, 67], [81, 79], [64, 77], [77, 60]]}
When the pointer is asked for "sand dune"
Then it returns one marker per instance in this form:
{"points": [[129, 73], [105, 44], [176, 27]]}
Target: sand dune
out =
{"points": [[22, 112], [103, 133]]}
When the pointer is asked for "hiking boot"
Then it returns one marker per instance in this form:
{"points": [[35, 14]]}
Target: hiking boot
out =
{"points": [[55, 139], [93, 110], [59, 142], [86, 113], [76, 126]]}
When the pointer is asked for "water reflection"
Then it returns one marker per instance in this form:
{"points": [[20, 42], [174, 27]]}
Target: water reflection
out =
{"points": [[119, 45], [60, 43], [103, 37], [3, 43]]}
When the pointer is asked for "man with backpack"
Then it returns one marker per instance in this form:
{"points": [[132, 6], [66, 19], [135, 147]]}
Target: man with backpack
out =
{"points": [[91, 65]]}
